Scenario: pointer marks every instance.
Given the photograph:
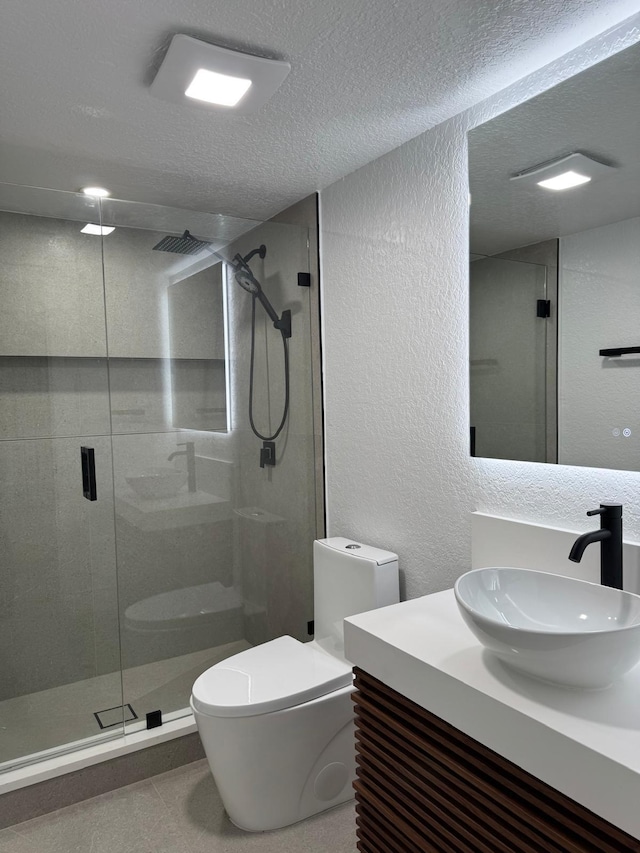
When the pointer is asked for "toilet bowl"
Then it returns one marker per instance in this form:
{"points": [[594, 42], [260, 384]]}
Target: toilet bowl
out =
{"points": [[276, 721]]}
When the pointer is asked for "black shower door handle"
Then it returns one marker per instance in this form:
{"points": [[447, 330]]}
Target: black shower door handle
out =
{"points": [[88, 459]]}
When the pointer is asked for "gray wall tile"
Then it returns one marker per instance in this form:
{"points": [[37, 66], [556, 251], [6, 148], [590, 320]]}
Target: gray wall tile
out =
{"points": [[51, 288], [58, 554], [44, 397]]}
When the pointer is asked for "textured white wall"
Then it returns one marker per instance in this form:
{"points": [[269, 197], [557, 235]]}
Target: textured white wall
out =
{"points": [[395, 279]]}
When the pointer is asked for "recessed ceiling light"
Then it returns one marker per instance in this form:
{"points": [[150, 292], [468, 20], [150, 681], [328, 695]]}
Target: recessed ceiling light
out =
{"points": [[565, 181], [98, 230], [565, 172], [195, 72], [217, 88], [96, 192]]}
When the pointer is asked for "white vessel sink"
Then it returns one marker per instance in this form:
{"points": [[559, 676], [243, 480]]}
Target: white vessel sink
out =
{"points": [[558, 629]]}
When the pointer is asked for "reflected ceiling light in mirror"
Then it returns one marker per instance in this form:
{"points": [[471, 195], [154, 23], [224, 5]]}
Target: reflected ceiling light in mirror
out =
{"points": [[195, 72], [98, 230], [96, 192], [563, 174]]}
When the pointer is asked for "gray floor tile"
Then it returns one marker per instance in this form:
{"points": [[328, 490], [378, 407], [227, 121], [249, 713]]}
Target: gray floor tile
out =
{"points": [[130, 820], [175, 812], [194, 803], [11, 842]]}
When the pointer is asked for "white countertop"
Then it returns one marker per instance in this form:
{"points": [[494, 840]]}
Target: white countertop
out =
{"points": [[584, 743]]}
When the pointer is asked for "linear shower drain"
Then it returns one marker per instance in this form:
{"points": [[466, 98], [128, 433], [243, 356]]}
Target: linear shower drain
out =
{"points": [[115, 716]]}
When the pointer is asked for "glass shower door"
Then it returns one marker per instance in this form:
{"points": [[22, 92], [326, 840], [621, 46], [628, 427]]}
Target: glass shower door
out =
{"points": [[509, 366], [142, 539], [60, 680], [213, 550]]}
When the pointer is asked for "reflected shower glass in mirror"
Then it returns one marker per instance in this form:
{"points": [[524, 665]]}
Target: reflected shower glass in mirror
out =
{"points": [[555, 273]]}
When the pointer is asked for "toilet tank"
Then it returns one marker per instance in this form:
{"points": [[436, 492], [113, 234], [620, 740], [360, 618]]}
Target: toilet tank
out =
{"points": [[349, 578]]}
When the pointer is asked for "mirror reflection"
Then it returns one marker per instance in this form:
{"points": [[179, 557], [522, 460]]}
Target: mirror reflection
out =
{"points": [[555, 273]]}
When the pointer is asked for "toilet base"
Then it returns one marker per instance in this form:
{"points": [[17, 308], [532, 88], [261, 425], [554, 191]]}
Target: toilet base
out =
{"points": [[349, 799], [279, 768]]}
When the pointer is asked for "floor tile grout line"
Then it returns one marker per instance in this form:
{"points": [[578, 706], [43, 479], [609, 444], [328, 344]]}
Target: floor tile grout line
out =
{"points": [[160, 797], [170, 809]]}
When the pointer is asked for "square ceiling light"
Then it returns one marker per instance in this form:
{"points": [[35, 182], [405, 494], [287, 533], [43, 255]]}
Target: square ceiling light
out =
{"points": [[194, 72], [565, 173]]}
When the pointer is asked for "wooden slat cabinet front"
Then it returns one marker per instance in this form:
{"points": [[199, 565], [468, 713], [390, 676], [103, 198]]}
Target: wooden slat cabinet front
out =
{"points": [[422, 785]]}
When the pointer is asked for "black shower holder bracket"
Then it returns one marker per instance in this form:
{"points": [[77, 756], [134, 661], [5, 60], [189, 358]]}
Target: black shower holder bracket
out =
{"points": [[284, 324], [268, 454]]}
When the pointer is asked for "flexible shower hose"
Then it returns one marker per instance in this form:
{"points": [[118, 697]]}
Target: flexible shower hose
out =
{"points": [[286, 379]]}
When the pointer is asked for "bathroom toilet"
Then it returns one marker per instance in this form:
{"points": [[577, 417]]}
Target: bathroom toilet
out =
{"points": [[276, 721]]}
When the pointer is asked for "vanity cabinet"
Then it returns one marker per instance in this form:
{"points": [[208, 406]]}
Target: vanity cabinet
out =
{"points": [[423, 785]]}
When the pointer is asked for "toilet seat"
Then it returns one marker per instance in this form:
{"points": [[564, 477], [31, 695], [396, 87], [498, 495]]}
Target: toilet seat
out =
{"points": [[276, 675]]}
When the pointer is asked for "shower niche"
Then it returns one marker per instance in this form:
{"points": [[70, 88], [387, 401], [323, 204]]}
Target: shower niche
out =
{"points": [[110, 608]]}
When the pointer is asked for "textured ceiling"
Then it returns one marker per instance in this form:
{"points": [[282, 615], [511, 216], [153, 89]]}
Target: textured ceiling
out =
{"points": [[366, 76], [596, 112]]}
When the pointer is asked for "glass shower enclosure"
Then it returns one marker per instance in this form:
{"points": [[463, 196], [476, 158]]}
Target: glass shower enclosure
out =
{"points": [[141, 539], [512, 362]]}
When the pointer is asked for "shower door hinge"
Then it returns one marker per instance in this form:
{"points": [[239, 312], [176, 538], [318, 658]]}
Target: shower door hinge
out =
{"points": [[304, 279], [543, 308]]}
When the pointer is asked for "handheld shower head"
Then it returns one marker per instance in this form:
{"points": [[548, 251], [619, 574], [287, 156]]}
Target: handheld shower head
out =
{"points": [[247, 281], [245, 277], [250, 283]]}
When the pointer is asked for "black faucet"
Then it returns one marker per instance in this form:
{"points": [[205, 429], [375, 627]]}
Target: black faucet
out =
{"points": [[190, 453], [610, 537]]}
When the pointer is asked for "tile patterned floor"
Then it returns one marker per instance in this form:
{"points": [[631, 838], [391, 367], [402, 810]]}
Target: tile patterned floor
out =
{"points": [[176, 812]]}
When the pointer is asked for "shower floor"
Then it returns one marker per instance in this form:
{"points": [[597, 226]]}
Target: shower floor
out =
{"points": [[64, 715]]}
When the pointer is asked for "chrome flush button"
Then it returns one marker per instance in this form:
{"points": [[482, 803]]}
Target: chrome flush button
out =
{"points": [[352, 547]]}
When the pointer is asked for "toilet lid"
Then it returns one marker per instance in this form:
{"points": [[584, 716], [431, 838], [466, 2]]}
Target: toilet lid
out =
{"points": [[269, 677]]}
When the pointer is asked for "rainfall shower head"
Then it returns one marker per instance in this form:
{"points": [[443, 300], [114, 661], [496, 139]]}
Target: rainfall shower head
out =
{"points": [[185, 245]]}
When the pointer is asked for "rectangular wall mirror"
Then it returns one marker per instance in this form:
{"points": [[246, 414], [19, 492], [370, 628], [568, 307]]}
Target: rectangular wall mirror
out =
{"points": [[555, 273]]}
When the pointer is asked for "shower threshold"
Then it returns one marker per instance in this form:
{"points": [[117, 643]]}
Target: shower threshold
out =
{"points": [[56, 762], [46, 734]]}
